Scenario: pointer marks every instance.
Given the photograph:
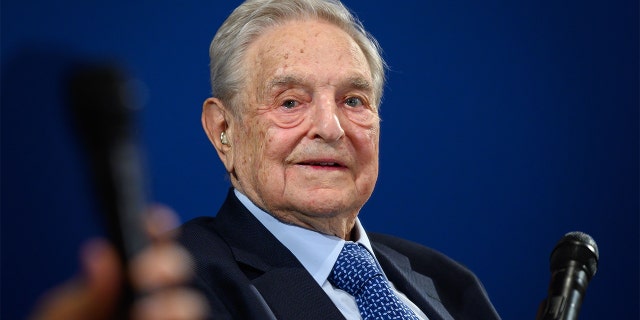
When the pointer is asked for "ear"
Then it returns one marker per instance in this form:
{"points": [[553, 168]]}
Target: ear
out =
{"points": [[216, 119]]}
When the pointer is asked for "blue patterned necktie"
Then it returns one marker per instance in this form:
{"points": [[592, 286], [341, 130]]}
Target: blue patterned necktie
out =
{"points": [[357, 273]]}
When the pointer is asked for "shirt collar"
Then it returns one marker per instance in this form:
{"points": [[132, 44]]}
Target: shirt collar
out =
{"points": [[317, 252]]}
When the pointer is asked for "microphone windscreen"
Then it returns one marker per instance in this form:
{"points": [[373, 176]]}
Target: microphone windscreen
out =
{"points": [[576, 246]]}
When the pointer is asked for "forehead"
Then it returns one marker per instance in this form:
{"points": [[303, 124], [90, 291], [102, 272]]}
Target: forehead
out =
{"points": [[312, 49]]}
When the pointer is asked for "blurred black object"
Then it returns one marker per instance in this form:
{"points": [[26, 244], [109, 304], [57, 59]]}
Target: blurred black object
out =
{"points": [[102, 103]]}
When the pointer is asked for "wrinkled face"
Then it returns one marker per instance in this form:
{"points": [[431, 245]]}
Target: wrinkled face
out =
{"points": [[306, 144]]}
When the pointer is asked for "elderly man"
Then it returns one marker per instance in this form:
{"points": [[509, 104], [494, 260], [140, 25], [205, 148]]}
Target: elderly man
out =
{"points": [[294, 119]]}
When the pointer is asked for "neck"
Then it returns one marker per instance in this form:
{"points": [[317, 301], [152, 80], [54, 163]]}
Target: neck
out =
{"points": [[340, 226]]}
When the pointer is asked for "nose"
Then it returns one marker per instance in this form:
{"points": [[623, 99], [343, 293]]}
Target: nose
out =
{"points": [[326, 121]]}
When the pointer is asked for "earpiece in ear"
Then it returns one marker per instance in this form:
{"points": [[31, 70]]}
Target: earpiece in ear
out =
{"points": [[224, 139]]}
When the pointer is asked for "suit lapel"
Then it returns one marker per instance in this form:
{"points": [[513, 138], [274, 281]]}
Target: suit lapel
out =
{"points": [[286, 287], [417, 287], [292, 294]]}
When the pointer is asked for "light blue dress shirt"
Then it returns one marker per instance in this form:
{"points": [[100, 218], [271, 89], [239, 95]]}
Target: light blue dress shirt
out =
{"points": [[318, 252]]}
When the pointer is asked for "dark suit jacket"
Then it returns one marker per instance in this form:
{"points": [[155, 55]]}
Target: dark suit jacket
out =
{"points": [[246, 273]]}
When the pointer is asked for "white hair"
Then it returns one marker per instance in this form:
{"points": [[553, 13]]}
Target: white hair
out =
{"points": [[252, 17]]}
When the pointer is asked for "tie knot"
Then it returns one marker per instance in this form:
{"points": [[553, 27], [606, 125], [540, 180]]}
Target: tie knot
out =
{"points": [[353, 269]]}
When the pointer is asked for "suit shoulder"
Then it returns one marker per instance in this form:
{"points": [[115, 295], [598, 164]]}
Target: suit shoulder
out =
{"points": [[200, 237], [459, 289], [415, 252], [196, 228], [444, 271]]}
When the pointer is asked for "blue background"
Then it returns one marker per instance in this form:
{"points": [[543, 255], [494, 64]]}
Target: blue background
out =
{"points": [[505, 125]]}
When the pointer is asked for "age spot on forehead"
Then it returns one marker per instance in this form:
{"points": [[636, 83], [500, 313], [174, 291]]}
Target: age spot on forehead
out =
{"points": [[301, 50], [281, 70]]}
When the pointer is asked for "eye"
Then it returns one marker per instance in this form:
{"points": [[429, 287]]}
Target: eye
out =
{"points": [[290, 104], [353, 102]]}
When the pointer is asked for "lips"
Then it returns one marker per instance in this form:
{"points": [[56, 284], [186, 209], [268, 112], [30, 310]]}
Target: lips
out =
{"points": [[322, 163]]}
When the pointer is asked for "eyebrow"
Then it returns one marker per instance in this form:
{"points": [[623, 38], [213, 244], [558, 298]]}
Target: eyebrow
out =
{"points": [[360, 83], [355, 82], [285, 81]]}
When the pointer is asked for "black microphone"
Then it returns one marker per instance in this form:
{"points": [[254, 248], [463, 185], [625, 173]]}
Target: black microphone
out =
{"points": [[102, 104], [574, 261]]}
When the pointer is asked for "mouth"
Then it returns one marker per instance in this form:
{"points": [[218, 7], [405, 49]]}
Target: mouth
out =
{"points": [[329, 164]]}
